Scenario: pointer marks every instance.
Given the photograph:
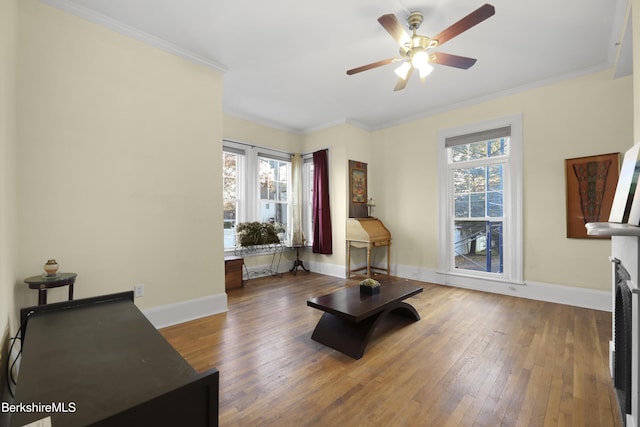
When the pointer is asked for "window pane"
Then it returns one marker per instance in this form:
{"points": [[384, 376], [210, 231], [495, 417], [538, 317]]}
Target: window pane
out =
{"points": [[229, 218], [283, 191], [495, 194], [495, 206], [460, 181], [230, 189], [478, 246], [499, 147], [273, 212], [478, 179], [478, 204], [462, 206], [282, 171], [265, 178], [495, 177], [459, 153], [477, 150], [229, 175]]}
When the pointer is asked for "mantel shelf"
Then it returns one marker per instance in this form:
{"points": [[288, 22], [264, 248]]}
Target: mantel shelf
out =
{"points": [[611, 229]]}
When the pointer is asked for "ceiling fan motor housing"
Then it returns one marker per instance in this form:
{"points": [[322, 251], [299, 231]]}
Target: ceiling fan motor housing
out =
{"points": [[414, 20]]}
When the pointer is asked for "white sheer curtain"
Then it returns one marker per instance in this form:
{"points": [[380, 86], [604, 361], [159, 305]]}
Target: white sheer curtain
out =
{"points": [[297, 236]]}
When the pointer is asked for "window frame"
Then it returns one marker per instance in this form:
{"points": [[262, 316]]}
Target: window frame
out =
{"points": [[512, 215]]}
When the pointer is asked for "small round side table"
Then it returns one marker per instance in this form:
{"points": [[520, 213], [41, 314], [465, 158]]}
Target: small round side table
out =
{"points": [[42, 283], [297, 262]]}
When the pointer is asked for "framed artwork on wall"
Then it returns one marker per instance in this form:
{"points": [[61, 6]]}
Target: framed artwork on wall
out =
{"points": [[591, 186], [357, 189]]}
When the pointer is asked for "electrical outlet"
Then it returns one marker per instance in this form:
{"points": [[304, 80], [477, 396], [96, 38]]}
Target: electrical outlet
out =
{"points": [[138, 290]]}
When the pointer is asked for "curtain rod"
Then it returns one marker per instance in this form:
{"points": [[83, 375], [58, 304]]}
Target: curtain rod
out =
{"points": [[273, 149], [311, 152], [257, 146]]}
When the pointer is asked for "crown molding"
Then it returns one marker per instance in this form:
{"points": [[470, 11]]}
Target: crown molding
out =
{"points": [[128, 31], [496, 95]]}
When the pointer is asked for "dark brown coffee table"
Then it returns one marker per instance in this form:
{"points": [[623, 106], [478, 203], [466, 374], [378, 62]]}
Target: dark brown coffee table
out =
{"points": [[351, 317]]}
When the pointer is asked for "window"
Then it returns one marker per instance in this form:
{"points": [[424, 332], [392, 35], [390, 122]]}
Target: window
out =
{"points": [[307, 198], [256, 186], [274, 185], [478, 197], [480, 201], [232, 161]]}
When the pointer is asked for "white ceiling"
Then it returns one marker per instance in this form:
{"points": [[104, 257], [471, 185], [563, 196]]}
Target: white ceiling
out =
{"points": [[285, 61]]}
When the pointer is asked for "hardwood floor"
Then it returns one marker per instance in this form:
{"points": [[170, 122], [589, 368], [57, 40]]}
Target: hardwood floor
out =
{"points": [[474, 359]]}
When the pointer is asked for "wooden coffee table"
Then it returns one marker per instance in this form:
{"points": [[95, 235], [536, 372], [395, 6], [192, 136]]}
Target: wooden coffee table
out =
{"points": [[350, 317]]}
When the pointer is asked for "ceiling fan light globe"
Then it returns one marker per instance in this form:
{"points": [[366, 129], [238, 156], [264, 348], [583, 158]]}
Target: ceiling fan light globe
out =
{"points": [[420, 59], [403, 70], [425, 70]]}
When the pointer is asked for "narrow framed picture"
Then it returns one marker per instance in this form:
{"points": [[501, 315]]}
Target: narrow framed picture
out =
{"points": [[357, 189]]}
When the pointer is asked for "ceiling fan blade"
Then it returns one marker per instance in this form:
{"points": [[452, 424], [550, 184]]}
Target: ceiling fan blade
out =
{"points": [[370, 66], [395, 28], [452, 60], [402, 83], [472, 19]]}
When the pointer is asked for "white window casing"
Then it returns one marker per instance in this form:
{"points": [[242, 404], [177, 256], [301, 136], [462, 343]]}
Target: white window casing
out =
{"points": [[512, 195]]}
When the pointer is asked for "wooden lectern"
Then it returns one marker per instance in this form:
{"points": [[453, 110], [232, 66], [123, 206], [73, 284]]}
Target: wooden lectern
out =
{"points": [[367, 233]]}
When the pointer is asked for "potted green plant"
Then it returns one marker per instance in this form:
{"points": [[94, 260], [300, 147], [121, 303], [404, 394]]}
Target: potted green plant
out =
{"points": [[370, 286], [258, 233]]}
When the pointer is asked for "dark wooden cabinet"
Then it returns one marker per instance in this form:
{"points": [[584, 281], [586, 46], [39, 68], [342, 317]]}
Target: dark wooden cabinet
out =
{"points": [[102, 363], [233, 272]]}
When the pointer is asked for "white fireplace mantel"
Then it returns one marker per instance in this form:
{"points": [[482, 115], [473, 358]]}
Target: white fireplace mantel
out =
{"points": [[625, 252], [611, 229]]}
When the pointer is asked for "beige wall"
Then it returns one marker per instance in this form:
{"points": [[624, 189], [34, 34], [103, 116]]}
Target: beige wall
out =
{"points": [[8, 144], [240, 130], [345, 142], [119, 171], [579, 117]]}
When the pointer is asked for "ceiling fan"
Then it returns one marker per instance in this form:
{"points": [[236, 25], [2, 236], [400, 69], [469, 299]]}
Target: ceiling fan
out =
{"points": [[415, 50]]}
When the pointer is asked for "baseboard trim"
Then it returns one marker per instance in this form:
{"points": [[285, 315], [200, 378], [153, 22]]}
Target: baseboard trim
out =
{"points": [[560, 294], [184, 311], [569, 295], [264, 270], [328, 269]]}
